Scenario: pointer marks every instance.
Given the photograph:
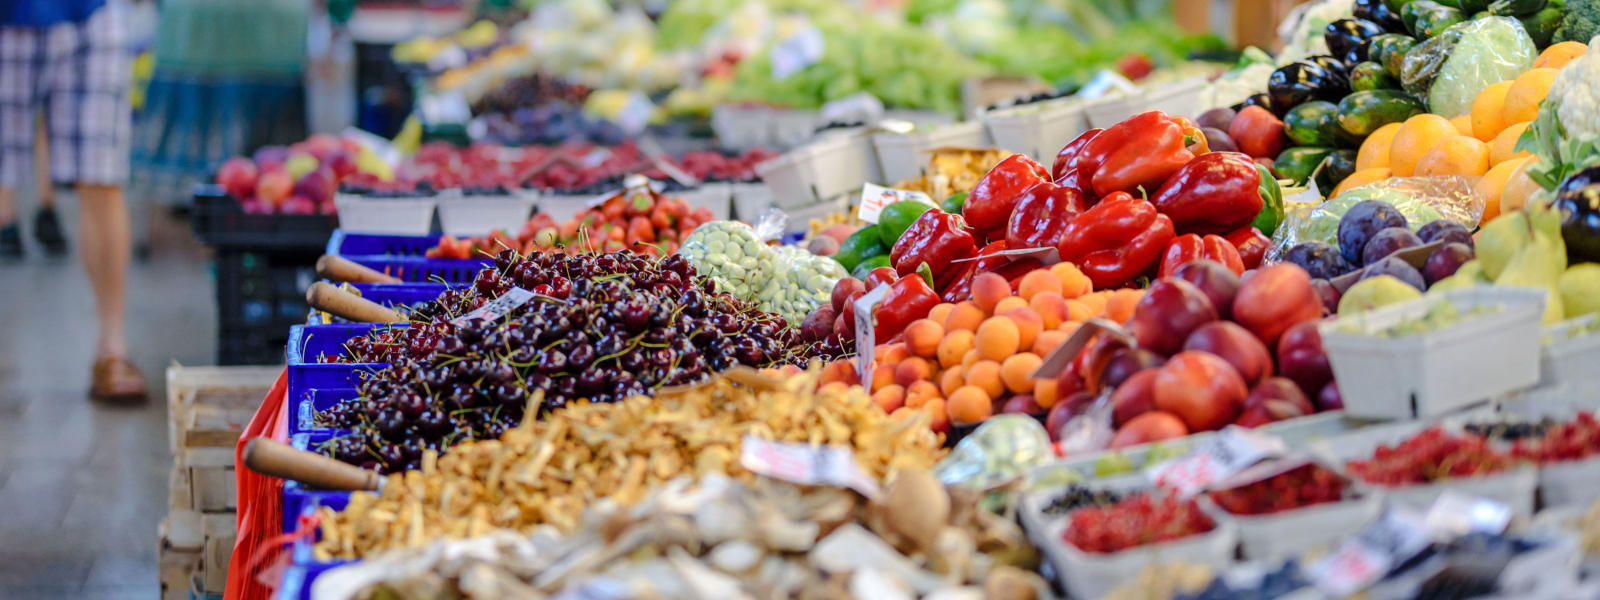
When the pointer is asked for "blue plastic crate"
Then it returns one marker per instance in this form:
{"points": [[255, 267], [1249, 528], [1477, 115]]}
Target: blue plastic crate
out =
{"points": [[391, 295], [307, 342], [403, 256], [373, 244], [298, 500], [315, 401]]}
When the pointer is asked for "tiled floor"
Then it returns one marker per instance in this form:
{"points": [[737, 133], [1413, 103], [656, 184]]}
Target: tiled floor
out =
{"points": [[83, 486]]}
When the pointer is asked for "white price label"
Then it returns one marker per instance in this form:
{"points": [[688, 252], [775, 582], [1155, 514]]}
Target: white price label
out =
{"points": [[1232, 450], [445, 107], [875, 197], [866, 338], [1456, 514], [801, 49], [805, 464], [498, 307], [1364, 559]]}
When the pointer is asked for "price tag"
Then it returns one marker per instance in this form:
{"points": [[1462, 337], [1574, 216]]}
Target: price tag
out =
{"points": [[497, 307], [1060, 358], [1456, 514], [805, 464], [595, 157], [635, 114], [1106, 83], [875, 197], [1232, 450], [1364, 559], [1047, 255], [801, 49], [866, 338]]}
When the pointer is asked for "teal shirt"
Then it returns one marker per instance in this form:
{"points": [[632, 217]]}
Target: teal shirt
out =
{"points": [[44, 13]]}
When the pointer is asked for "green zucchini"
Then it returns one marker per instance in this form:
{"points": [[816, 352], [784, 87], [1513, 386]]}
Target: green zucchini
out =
{"points": [[1334, 168], [1296, 164], [1371, 76], [1316, 123], [1362, 113]]}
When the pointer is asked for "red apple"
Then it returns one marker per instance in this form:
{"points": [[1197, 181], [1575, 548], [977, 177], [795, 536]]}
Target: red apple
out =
{"points": [[1064, 411], [322, 145], [1281, 397], [238, 177], [342, 163], [273, 187], [1127, 361], [1022, 404], [1169, 311], [1134, 397], [1152, 426], [268, 158], [844, 290], [1236, 345], [298, 205], [1301, 358], [1214, 280], [1330, 398], [352, 146], [1254, 416], [1275, 299], [1201, 388], [317, 186]]}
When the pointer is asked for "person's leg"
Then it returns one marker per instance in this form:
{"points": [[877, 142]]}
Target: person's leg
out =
{"points": [[106, 245], [20, 55], [46, 225]]}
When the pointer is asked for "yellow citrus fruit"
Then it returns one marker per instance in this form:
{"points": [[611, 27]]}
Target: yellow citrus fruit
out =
{"points": [[1527, 91], [1416, 137], [1493, 184], [1360, 178], [1519, 187], [1375, 149], [1558, 55], [1460, 155], [1486, 109], [1463, 124], [1504, 146]]}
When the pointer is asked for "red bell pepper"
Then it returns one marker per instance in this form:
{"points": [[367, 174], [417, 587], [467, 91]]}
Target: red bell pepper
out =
{"points": [[908, 299], [1067, 158], [936, 238], [1043, 213], [989, 206], [1215, 193], [1252, 245], [1140, 152], [1118, 240], [1189, 247]]}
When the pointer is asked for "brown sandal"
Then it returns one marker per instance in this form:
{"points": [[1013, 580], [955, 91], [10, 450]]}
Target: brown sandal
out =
{"points": [[117, 380]]}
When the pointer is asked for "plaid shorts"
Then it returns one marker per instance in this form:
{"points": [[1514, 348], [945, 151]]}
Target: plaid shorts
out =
{"points": [[79, 74]]}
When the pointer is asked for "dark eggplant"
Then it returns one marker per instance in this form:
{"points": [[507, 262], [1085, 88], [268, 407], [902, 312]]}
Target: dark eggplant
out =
{"points": [[1340, 72], [1302, 81], [1349, 36], [1578, 203], [1378, 12], [1261, 99]]}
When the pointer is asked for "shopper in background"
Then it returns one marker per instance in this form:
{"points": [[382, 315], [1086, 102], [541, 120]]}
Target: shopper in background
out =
{"points": [[69, 59]]}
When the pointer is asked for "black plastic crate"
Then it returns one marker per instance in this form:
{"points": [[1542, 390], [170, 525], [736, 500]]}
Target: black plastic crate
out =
{"points": [[218, 220], [260, 295], [251, 346]]}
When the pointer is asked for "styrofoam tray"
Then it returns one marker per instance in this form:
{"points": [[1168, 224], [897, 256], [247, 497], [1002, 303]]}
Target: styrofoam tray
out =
{"points": [[716, 196], [793, 127], [1086, 575], [1441, 370], [478, 215], [406, 216], [1513, 488], [1293, 532], [750, 200], [563, 207], [1565, 358], [800, 218], [739, 126], [1173, 98], [826, 168], [903, 155]]}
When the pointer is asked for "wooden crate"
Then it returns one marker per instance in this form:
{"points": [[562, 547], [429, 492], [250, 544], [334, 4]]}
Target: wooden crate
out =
{"points": [[177, 566], [218, 550], [209, 406], [212, 485]]}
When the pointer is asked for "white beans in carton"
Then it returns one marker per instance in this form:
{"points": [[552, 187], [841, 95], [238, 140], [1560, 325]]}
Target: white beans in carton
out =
{"points": [[1478, 357]]}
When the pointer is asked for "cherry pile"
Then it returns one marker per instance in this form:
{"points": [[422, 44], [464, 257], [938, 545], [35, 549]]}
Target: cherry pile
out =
{"points": [[416, 341], [600, 327], [1430, 456], [1561, 441], [1135, 521], [1303, 486]]}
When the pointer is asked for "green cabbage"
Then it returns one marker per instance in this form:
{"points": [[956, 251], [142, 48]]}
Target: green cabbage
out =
{"points": [[1484, 52]]}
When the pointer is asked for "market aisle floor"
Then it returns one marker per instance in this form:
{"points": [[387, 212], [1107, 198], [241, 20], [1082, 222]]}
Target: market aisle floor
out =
{"points": [[83, 486]]}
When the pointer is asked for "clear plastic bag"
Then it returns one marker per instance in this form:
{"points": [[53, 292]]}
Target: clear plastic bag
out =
{"points": [[1452, 68], [800, 282], [1421, 199], [1001, 449], [732, 255]]}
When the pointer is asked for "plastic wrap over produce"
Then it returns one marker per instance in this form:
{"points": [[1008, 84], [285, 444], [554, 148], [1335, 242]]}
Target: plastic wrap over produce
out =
{"points": [[1001, 449], [1421, 199], [800, 282], [1453, 67], [732, 255]]}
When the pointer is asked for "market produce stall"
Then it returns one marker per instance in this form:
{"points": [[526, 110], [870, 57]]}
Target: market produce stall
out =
{"points": [[1305, 325]]}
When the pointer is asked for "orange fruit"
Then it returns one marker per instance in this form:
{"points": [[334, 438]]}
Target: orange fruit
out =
{"points": [[1119, 305], [890, 398], [1073, 282], [988, 289], [1374, 150], [998, 338], [1487, 109], [1519, 188], [923, 337], [1047, 341], [1360, 178], [1460, 155], [964, 317], [1017, 372], [985, 374], [970, 358], [951, 380], [1493, 184], [914, 369], [940, 419], [882, 376], [926, 390], [954, 345], [1527, 91], [1416, 137], [1044, 393], [894, 353], [939, 312], [1051, 307], [970, 405], [1096, 301], [1009, 304], [1558, 55], [1038, 282], [1078, 310], [1029, 324], [1504, 146], [1462, 123]]}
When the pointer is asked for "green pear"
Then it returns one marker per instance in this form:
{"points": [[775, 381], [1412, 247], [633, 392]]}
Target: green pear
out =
{"points": [[1501, 239], [1382, 290], [1539, 265], [1580, 290]]}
